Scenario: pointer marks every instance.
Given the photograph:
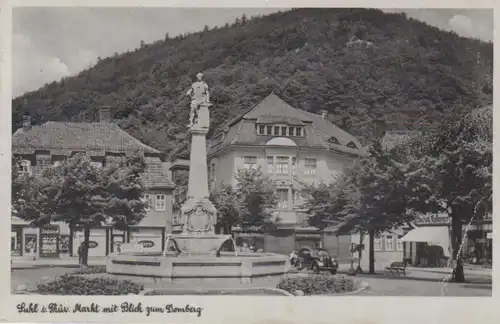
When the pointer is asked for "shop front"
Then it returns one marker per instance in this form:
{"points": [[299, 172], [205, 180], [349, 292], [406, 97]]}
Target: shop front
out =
{"points": [[429, 244], [51, 241]]}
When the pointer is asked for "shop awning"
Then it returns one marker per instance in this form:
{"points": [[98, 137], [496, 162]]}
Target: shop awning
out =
{"points": [[432, 235]]}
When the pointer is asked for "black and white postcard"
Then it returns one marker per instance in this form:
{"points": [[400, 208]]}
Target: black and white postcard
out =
{"points": [[264, 164]]}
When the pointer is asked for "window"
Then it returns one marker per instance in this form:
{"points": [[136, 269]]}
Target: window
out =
{"points": [[276, 130], [298, 131], [282, 198], [262, 129], [400, 243], [294, 166], [389, 243], [269, 130], [310, 167], [250, 162], [377, 244], [334, 140], [270, 164], [43, 161], [291, 131], [351, 145], [160, 202], [297, 198], [149, 202], [282, 165], [284, 130], [25, 167]]}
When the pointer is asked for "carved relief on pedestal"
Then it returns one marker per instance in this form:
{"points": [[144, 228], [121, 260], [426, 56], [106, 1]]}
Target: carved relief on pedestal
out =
{"points": [[199, 216]]}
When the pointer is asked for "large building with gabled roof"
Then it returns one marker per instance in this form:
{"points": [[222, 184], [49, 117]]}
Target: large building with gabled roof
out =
{"points": [[46, 145], [292, 147]]}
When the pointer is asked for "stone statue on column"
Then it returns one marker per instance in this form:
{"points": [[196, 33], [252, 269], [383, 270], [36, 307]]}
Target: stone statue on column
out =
{"points": [[200, 101], [198, 213]]}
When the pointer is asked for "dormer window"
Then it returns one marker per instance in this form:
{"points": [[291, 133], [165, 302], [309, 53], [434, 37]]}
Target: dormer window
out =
{"points": [[278, 130], [351, 145], [334, 140]]}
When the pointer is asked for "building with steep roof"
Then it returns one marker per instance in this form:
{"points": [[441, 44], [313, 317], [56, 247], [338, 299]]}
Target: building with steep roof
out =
{"points": [[42, 146], [292, 147]]}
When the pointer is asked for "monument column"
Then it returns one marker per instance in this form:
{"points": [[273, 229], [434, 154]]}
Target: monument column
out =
{"points": [[198, 177]]}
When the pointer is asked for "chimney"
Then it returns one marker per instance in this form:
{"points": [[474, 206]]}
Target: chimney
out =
{"points": [[105, 114], [324, 114], [26, 122]]}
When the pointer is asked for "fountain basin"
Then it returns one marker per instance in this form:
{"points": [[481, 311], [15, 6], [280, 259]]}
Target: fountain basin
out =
{"points": [[246, 268]]}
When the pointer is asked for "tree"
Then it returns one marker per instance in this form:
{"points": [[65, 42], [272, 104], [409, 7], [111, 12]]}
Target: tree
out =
{"points": [[249, 204], [85, 196], [32, 195], [326, 203], [406, 75], [453, 175], [380, 203], [224, 201], [369, 198], [256, 199], [17, 181], [180, 191]]}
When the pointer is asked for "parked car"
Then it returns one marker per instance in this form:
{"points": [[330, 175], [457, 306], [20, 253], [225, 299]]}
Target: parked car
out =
{"points": [[317, 260]]}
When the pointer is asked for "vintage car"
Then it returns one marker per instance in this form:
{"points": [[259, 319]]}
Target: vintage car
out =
{"points": [[317, 260]]}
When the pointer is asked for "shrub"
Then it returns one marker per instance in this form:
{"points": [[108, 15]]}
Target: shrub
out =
{"points": [[77, 285], [317, 285], [91, 270]]}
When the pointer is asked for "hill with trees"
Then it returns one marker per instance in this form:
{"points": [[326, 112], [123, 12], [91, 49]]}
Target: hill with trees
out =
{"points": [[356, 63]]}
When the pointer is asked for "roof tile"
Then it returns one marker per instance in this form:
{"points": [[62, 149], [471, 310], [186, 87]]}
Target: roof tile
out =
{"points": [[65, 137], [96, 139]]}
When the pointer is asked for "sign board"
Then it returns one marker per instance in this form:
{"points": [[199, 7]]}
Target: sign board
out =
{"points": [[49, 230], [433, 219], [93, 244], [147, 243], [131, 247], [489, 236]]}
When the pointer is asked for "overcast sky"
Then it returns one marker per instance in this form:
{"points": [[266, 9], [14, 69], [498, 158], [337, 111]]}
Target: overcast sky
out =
{"points": [[50, 43]]}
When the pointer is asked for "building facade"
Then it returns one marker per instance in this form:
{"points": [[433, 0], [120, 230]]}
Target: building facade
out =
{"points": [[47, 145], [293, 147]]}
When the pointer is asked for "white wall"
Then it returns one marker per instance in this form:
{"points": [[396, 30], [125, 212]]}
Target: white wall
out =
{"points": [[384, 256]]}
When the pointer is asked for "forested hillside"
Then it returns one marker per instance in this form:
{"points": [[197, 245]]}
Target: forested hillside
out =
{"points": [[355, 63]]}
